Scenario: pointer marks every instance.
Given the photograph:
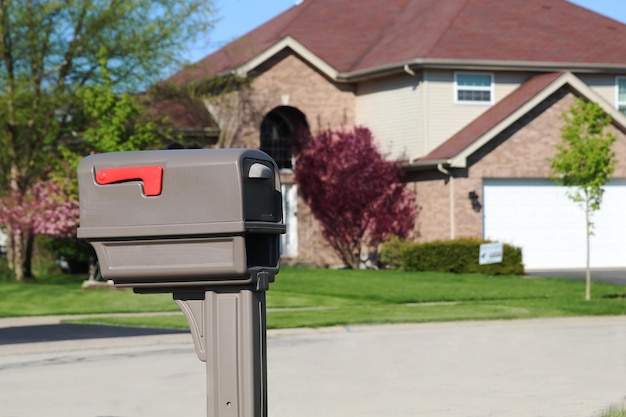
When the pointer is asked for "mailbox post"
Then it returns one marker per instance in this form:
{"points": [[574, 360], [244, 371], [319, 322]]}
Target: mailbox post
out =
{"points": [[203, 225]]}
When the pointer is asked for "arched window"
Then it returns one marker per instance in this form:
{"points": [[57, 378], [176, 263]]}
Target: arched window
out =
{"points": [[280, 129]]}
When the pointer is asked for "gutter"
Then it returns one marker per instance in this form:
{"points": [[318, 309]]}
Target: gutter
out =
{"points": [[412, 65], [425, 165]]}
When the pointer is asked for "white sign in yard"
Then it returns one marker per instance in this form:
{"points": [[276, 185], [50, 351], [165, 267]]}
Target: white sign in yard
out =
{"points": [[490, 253]]}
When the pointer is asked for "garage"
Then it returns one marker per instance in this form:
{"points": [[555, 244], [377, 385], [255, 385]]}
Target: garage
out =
{"points": [[537, 216]]}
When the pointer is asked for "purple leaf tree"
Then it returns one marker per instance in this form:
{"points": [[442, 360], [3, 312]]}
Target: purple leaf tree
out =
{"points": [[353, 191]]}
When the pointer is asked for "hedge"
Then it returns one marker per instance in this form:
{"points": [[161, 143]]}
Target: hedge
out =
{"points": [[456, 256]]}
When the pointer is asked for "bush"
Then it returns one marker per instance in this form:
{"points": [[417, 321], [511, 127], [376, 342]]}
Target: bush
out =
{"points": [[70, 254], [6, 275], [391, 252], [457, 256]]}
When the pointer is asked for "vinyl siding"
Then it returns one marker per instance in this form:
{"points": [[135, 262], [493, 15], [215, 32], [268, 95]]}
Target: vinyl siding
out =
{"points": [[411, 116], [444, 117], [390, 108], [602, 84]]}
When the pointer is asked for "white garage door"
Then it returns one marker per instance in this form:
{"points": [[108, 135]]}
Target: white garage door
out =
{"points": [[538, 216]]}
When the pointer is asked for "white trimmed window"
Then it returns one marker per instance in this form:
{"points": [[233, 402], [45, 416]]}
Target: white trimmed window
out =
{"points": [[473, 87], [620, 83]]}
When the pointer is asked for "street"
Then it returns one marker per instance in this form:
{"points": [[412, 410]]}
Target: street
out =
{"points": [[610, 276], [549, 367]]}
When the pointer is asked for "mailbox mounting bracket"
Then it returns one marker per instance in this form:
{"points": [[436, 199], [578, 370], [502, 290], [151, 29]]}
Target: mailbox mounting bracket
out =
{"points": [[229, 334]]}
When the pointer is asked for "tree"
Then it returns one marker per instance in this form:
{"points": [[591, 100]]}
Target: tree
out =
{"points": [[49, 50], [353, 192], [44, 210], [230, 99], [585, 162]]}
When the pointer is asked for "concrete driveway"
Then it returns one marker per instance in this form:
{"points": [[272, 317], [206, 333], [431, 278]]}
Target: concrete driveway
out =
{"points": [[557, 367]]}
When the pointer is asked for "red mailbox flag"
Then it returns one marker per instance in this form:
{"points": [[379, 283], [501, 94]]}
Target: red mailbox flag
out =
{"points": [[151, 176]]}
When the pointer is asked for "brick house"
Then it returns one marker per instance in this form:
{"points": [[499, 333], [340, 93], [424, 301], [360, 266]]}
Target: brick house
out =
{"points": [[467, 95]]}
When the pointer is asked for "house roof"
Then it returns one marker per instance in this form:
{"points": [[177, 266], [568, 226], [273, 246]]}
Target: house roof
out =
{"points": [[356, 37], [455, 151]]}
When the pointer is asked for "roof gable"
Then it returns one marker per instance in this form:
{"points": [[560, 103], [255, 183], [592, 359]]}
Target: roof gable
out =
{"points": [[355, 36], [455, 151]]}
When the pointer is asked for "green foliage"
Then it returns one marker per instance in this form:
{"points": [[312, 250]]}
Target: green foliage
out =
{"points": [[459, 256], [303, 297], [614, 412], [6, 274], [64, 170], [118, 122], [71, 249], [50, 51], [585, 160], [216, 85], [391, 252]]}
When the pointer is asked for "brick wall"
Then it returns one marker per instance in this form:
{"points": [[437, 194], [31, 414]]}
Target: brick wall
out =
{"points": [[522, 151], [291, 82]]}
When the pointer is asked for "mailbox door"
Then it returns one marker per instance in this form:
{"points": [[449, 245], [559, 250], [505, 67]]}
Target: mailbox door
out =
{"points": [[262, 201]]}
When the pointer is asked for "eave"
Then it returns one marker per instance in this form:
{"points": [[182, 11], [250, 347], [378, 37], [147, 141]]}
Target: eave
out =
{"points": [[417, 64]]}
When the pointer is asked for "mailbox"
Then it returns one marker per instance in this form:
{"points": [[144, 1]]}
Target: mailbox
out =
{"points": [[171, 219]]}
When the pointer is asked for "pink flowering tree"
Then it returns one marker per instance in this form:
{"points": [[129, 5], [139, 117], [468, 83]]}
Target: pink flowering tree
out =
{"points": [[353, 191], [42, 210]]}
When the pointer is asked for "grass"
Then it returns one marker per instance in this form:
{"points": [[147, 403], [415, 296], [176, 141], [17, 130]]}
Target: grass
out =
{"points": [[62, 294], [614, 412], [317, 298]]}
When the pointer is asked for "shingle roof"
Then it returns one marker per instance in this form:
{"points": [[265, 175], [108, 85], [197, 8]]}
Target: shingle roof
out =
{"points": [[360, 35], [185, 114]]}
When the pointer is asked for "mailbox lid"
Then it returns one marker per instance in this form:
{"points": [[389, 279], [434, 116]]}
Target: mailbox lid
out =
{"points": [[201, 190]]}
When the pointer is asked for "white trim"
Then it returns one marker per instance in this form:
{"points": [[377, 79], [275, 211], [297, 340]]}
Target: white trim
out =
{"points": [[458, 88], [460, 160], [298, 48], [617, 102], [289, 240]]}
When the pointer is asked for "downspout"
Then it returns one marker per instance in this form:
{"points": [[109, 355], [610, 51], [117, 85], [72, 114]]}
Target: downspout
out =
{"points": [[424, 120], [444, 171]]}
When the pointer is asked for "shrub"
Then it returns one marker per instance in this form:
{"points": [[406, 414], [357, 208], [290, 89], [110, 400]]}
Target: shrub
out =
{"points": [[70, 254], [459, 256], [391, 252], [353, 191]]}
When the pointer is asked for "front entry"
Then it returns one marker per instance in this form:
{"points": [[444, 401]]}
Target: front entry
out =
{"points": [[289, 241], [280, 130]]}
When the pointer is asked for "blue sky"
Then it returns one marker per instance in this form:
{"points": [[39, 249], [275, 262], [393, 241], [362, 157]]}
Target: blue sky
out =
{"points": [[237, 17]]}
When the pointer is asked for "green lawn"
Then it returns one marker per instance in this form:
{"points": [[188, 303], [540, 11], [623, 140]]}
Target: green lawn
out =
{"points": [[315, 298]]}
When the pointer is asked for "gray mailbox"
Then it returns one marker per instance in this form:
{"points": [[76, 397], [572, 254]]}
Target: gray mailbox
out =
{"points": [[181, 218], [204, 225]]}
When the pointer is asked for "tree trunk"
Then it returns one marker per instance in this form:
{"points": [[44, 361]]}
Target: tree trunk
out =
{"points": [[588, 270], [29, 247], [17, 260], [19, 253]]}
